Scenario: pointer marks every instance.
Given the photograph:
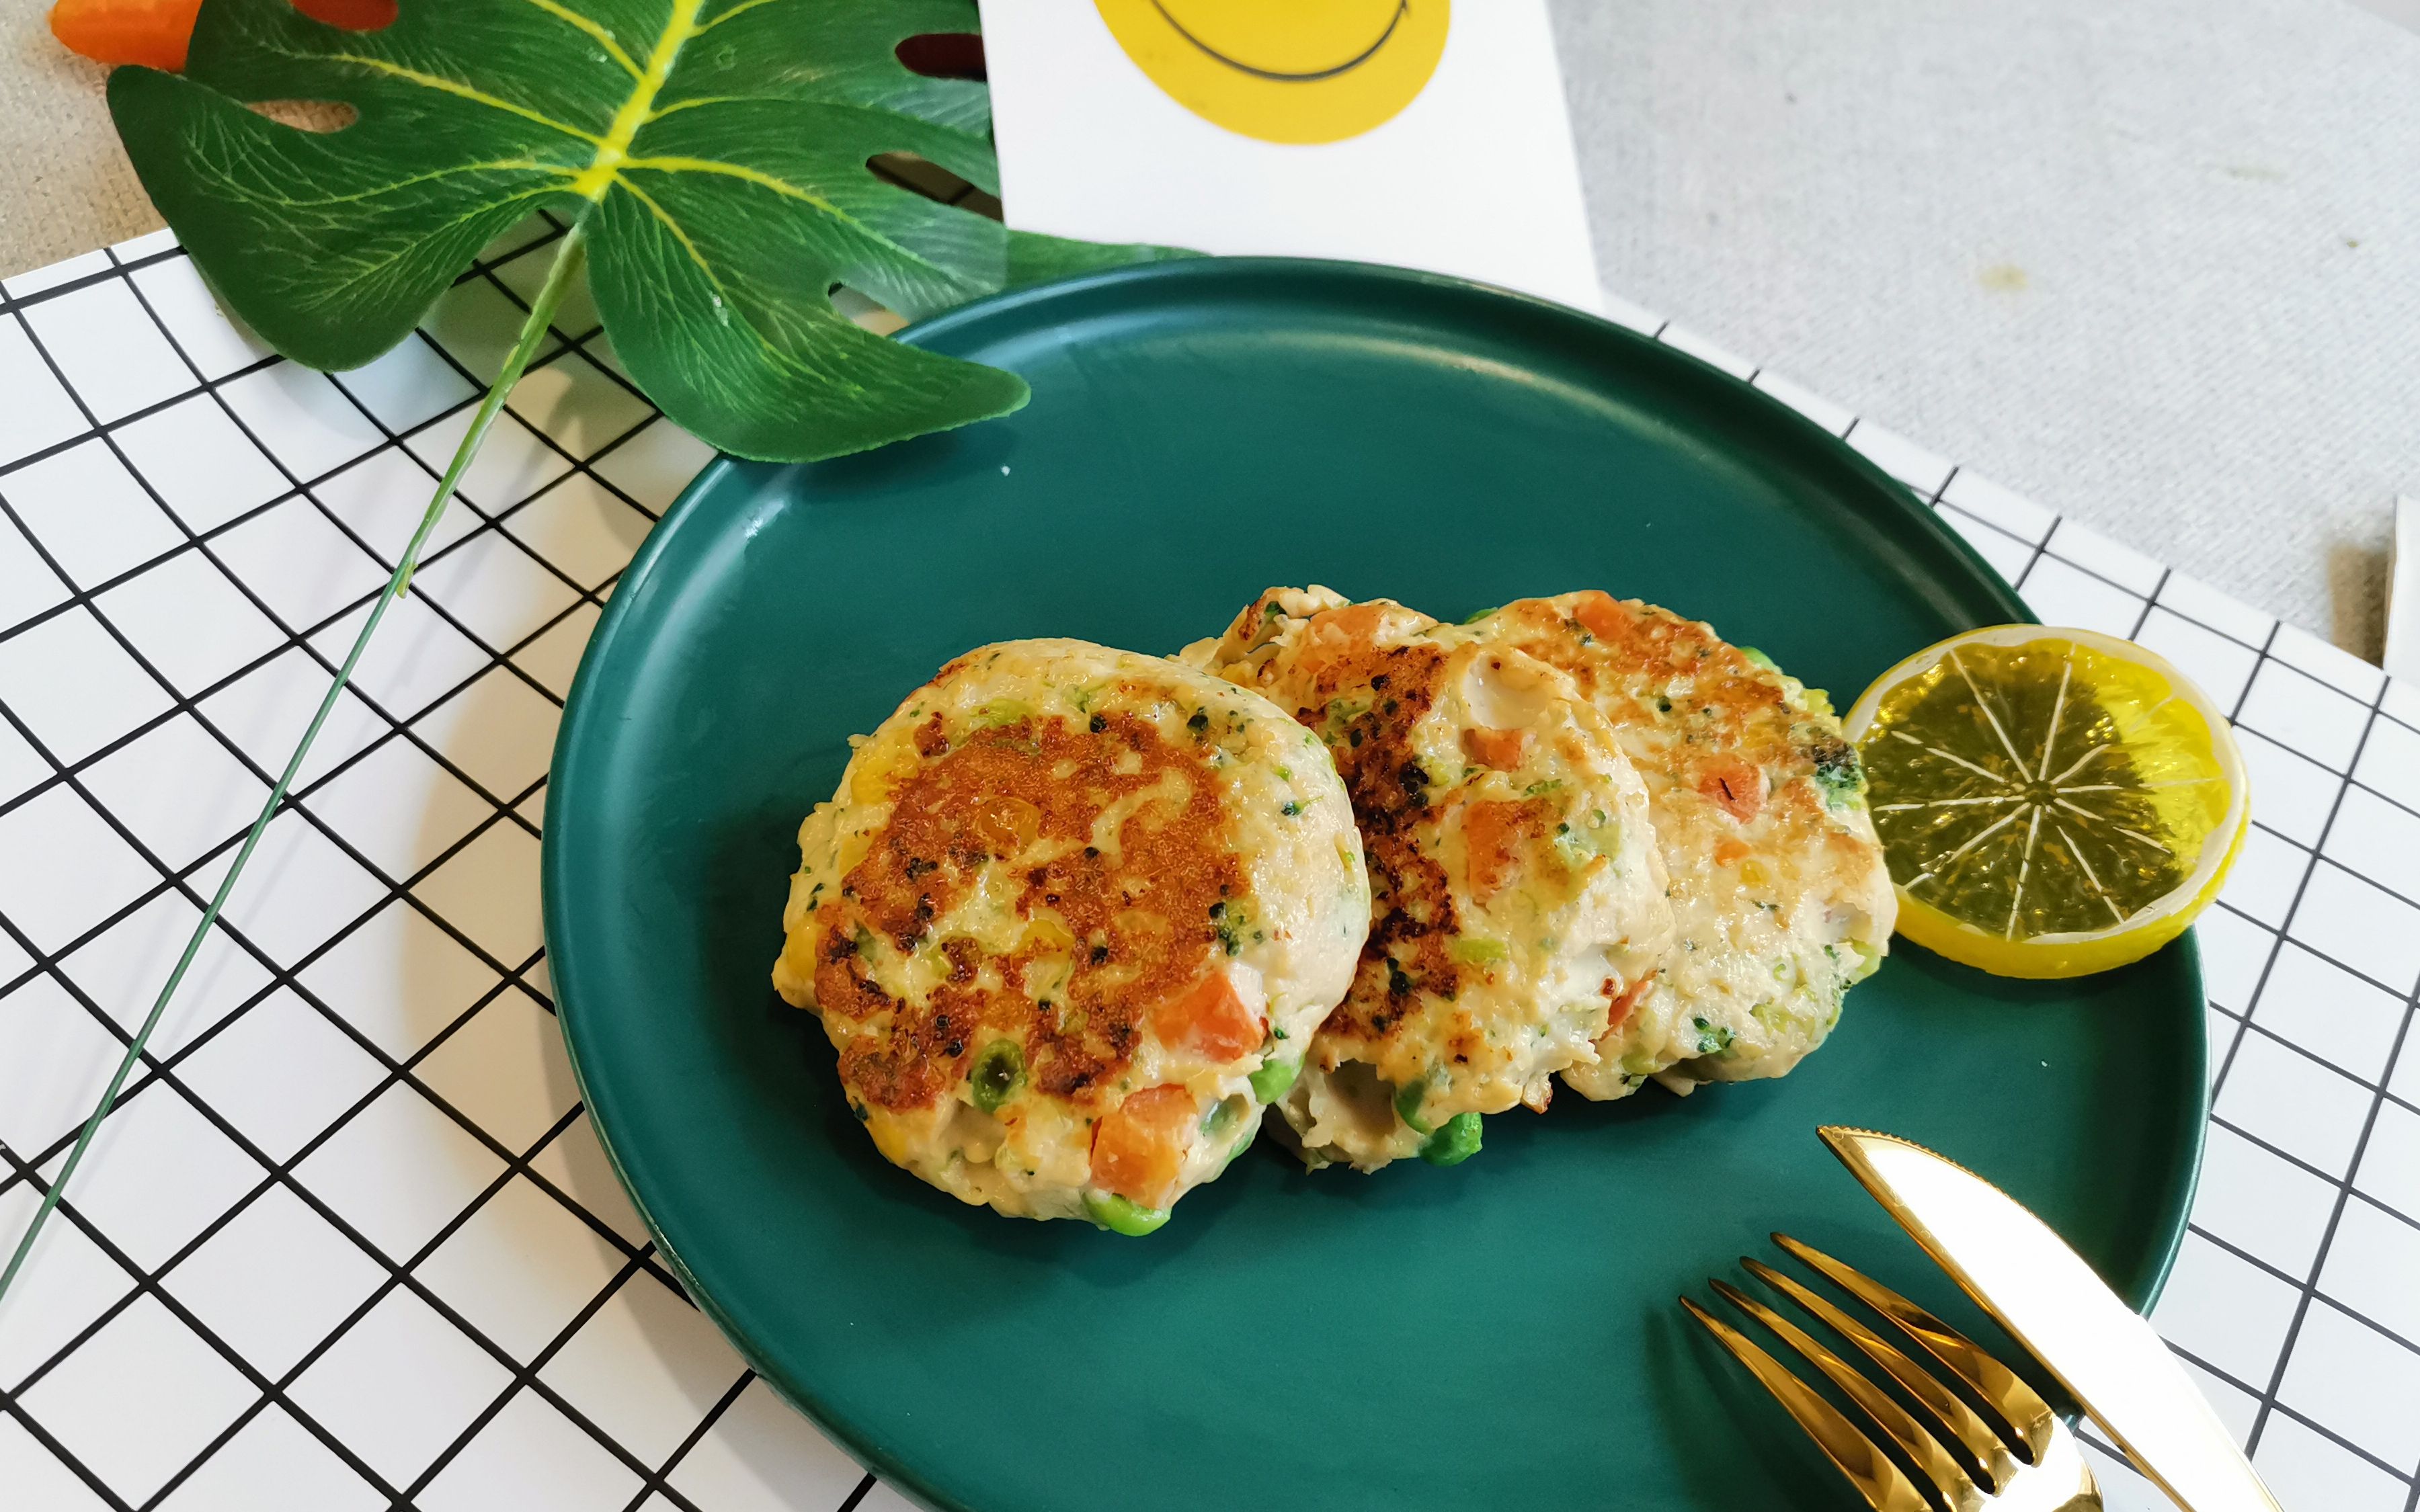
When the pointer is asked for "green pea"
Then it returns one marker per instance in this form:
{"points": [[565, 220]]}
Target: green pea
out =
{"points": [[1240, 1145], [1223, 1116], [1121, 1216], [1454, 1143], [1407, 1105], [1274, 1079], [1473, 951], [997, 1073]]}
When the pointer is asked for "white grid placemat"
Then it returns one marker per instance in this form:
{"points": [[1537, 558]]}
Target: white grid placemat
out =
{"points": [[350, 1242]]}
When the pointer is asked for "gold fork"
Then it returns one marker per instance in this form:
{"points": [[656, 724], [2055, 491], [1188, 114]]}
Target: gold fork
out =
{"points": [[2015, 1457]]}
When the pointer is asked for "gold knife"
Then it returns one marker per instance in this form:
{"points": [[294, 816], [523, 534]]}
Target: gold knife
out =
{"points": [[2049, 1301]]}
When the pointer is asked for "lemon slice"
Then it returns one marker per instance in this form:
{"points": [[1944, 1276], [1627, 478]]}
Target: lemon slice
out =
{"points": [[2051, 802]]}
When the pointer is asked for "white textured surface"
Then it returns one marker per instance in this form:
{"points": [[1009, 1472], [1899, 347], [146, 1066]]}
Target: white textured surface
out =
{"points": [[349, 1241], [2156, 264]]}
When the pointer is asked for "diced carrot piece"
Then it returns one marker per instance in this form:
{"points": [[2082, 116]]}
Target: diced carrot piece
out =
{"points": [[1212, 1019], [1503, 749], [1139, 1146], [1600, 615], [1354, 622], [1335, 636], [1734, 783], [153, 33], [1730, 851], [1619, 1013], [1492, 833]]}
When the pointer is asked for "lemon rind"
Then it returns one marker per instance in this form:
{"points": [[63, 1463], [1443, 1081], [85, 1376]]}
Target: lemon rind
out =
{"points": [[2075, 952]]}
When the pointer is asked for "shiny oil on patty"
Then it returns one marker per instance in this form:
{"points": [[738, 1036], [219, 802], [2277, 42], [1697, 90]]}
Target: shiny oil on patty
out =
{"points": [[1070, 921]]}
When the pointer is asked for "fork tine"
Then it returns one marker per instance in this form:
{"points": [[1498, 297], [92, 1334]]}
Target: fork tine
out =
{"points": [[1959, 1491], [1882, 1484], [1984, 1451], [2023, 1418]]}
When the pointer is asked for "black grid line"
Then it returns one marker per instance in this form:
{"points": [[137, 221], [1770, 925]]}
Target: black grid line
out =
{"points": [[2044, 547], [16, 1414], [697, 1434], [282, 976], [401, 1272], [2278, 1272], [393, 1071], [302, 637], [272, 1177], [2317, 854], [127, 646], [2376, 1085], [2148, 604], [149, 1287], [402, 724], [401, 1278], [288, 978], [11, 305], [197, 1101], [2277, 937], [295, 801], [251, 595], [2293, 908], [2310, 1286], [2231, 1379]]}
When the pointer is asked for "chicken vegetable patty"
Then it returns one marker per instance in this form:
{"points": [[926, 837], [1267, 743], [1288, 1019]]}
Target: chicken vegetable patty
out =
{"points": [[1780, 897], [1517, 895], [1071, 921]]}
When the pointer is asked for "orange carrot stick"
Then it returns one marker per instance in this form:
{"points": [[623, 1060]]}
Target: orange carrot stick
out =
{"points": [[150, 32], [155, 32]]}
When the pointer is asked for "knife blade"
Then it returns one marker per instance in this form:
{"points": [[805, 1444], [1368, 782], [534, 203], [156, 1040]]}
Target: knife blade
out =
{"points": [[2049, 1300]]}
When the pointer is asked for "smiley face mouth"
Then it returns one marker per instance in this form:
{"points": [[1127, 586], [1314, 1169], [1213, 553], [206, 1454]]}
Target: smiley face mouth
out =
{"points": [[1402, 9]]}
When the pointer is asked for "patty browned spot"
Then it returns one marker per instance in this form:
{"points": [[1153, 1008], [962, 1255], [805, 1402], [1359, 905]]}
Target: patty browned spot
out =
{"points": [[1647, 667], [1144, 927], [1412, 919]]}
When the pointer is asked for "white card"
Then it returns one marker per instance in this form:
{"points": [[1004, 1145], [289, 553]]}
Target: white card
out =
{"points": [[1186, 122]]}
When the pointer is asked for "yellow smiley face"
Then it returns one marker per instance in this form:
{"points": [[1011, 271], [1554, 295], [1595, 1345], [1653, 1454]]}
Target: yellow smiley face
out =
{"points": [[1285, 70]]}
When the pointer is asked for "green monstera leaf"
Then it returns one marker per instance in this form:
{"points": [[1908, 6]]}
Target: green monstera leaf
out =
{"points": [[710, 159], [713, 154]]}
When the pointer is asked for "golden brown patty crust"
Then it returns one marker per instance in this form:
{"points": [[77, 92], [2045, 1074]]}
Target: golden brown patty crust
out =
{"points": [[1032, 785], [1069, 922]]}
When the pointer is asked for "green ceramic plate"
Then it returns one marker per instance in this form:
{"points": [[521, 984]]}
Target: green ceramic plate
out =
{"points": [[1500, 1334]]}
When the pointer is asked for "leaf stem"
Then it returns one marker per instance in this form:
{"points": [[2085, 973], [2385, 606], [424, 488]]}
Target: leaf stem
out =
{"points": [[570, 254]]}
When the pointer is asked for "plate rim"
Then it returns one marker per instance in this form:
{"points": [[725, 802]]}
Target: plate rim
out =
{"points": [[1295, 275]]}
